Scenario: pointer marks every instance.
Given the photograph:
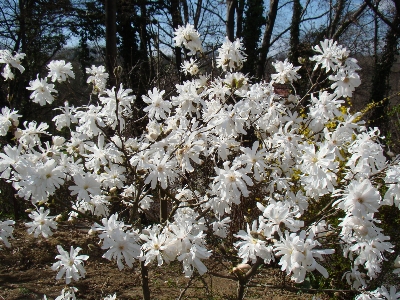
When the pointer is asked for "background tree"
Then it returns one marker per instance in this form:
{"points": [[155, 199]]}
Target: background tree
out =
{"points": [[384, 62], [253, 21]]}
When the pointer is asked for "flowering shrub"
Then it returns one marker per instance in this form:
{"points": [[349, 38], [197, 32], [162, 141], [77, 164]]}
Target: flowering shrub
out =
{"points": [[291, 154]]}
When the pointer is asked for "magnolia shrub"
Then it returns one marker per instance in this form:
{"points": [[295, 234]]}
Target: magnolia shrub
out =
{"points": [[292, 153]]}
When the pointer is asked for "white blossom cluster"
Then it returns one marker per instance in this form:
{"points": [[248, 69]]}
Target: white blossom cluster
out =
{"points": [[299, 156]]}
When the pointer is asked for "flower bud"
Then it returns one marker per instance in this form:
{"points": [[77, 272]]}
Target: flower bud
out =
{"points": [[241, 268]]}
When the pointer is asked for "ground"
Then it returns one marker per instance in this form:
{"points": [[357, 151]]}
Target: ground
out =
{"points": [[25, 273]]}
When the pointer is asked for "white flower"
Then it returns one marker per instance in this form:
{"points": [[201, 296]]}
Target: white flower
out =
{"points": [[298, 255], [66, 117], [7, 159], [231, 56], [231, 182], [41, 91], [190, 67], [122, 245], [39, 181], [109, 108], [254, 158], [252, 247], [11, 60], [68, 293], [188, 37], [111, 297], [30, 135], [85, 184], [287, 73], [190, 151], [70, 264], [162, 170], [345, 82], [8, 118], [389, 295], [275, 215], [7, 73], [6, 231], [359, 197], [324, 108], [188, 100], [41, 223], [331, 55], [59, 70], [220, 227], [157, 106], [157, 245], [98, 78], [397, 265], [90, 121]]}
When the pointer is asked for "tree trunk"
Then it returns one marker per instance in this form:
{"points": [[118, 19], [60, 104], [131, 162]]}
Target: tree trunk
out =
{"points": [[111, 38], [145, 281], [269, 26], [230, 19], [239, 18], [197, 14], [144, 55], [295, 33], [176, 21], [253, 22]]}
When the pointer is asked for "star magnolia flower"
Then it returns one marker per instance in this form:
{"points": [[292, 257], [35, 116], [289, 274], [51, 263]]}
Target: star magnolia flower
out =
{"points": [[6, 231], [66, 117], [69, 264], [298, 256], [286, 72], [345, 82], [122, 245], [190, 67], [157, 106], [59, 70], [68, 293], [7, 118], [162, 170], [11, 61], [41, 223], [251, 247], [389, 295], [98, 78], [231, 55], [231, 182], [111, 297], [85, 184], [330, 56], [157, 245], [41, 91], [188, 37], [360, 197]]}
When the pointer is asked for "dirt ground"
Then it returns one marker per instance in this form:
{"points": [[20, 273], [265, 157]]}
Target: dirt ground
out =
{"points": [[25, 273]]}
